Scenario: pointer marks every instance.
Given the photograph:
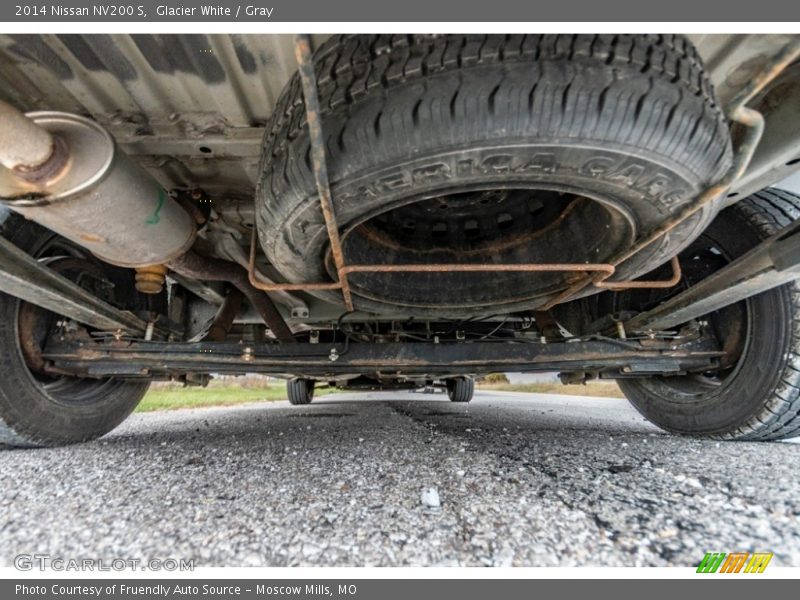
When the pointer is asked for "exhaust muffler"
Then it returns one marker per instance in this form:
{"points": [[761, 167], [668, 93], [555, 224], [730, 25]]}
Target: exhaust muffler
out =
{"points": [[89, 192]]}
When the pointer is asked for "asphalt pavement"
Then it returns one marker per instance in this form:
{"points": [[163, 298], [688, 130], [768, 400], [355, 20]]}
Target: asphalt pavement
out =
{"points": [[391, 479]]}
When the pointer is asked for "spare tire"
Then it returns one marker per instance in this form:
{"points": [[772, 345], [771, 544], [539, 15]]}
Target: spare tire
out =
{"points": [[490, 149]]}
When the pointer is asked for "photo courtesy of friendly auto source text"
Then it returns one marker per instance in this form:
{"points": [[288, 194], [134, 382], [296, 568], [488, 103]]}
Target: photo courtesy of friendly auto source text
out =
{"points": [[340, 299]]}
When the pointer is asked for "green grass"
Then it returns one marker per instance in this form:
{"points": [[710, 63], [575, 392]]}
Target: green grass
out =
{"points": [[600, 389], [171, 398]]}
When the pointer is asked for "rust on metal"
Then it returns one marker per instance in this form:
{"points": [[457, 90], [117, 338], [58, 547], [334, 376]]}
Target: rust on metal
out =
{"points": [[189, 204], [605, 269], [50, 168], [27, 318], [223, 321], [255, 360], [498, 246], [207, 268], [320, 168], [650, 285]]}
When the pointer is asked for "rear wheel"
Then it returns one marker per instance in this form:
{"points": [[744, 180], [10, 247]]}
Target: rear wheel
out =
{"points": [[755, 395], [300, 391], [460, 389], [38, 408]]}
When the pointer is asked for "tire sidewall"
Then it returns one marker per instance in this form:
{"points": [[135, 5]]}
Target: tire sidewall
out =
{"points": [[32, 416], [645, 189]]}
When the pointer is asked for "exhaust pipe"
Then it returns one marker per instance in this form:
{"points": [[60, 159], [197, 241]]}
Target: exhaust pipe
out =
{"points": [[26, 149], [66, 173]]}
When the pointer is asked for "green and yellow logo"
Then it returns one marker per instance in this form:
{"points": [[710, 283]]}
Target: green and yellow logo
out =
{"points": [[736, 562]]}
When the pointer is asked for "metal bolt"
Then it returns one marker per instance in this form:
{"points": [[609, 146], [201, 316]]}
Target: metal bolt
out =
{"points": [[334, 355]]}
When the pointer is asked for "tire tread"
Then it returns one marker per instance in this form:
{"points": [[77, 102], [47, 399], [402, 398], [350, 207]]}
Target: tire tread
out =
{"points": [[769, 211], [348, 67]]}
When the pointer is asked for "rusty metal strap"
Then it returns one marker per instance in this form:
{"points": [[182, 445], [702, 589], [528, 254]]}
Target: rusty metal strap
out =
{"points": [[604, 271], [306, 67], [642, 284]]}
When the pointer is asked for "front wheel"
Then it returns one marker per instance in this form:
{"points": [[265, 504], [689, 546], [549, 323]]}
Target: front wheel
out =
{"points": [[755, 394], [460, 389]]}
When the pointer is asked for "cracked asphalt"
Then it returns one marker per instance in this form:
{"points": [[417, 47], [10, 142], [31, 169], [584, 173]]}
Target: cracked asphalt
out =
{"points": [[528, 480]]}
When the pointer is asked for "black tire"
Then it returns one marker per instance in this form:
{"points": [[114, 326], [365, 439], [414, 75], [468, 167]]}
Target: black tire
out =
{"points": [[758, 397], [300, 391], [626, 126], [39, 410], [460, 389]]}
